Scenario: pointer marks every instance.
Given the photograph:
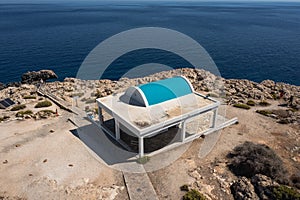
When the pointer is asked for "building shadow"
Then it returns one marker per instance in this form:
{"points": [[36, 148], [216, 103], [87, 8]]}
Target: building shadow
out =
{"points": [[101, 144], [111, 152]]}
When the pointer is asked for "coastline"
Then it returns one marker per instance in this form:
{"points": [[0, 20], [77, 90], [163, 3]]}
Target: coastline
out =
{"points": [[41, 155]]}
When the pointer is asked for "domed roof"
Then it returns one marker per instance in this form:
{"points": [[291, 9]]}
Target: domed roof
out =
{"points": [[159, 91]]}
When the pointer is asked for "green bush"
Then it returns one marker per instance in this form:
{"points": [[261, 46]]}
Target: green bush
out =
{"points": [[283, 192], [194, 195], [43, 104], [264, 112], [250, 103], [29, 97], [264, 103], [243, 106], [47, 111], [18, 107], [22, 113], [143, 160]]}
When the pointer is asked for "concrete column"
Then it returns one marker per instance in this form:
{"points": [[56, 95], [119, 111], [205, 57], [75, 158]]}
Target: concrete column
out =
{"points": [[214, 120], [141, 147], [183, 129], [117, 129], [100, 115]]}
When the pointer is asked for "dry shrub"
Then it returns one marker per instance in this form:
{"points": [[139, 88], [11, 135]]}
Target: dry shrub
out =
{"points": [[249, 159]]}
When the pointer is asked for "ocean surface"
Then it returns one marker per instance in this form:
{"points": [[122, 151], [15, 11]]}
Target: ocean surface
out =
{"points": [[253, 41]]}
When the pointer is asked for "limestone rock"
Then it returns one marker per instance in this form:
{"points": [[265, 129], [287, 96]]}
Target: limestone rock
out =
{"points": [[263, 186], [32, 77], [2, 86], [242, 189]]}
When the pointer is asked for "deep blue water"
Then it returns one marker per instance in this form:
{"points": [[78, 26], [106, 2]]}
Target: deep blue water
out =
{"points": [[255, 41]]}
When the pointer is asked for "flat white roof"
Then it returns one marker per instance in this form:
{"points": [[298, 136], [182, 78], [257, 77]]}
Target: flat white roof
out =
{"points": [[143, 121]]}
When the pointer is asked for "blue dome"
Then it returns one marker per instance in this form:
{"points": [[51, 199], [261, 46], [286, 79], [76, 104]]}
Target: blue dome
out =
{"points": [[167, 89]]}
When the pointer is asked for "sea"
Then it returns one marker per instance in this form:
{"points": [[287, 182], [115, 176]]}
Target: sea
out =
{"points": [[246, 40]]}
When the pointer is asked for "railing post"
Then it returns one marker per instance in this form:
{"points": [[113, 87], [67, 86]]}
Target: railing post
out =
{"points": [[214, 122], [141, 147], [183, 129], [117, 129]]}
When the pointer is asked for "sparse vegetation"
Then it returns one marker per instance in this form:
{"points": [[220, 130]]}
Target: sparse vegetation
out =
{"points": [[214, 95], [194, 195], [295, 178], [283, 121], [264, 103], [18, 107], [47, 111], [249, 159], [78, 94], [184, 188], [88, 101], [206, 90], [4, 118], [43, 104], [243, 106], [275, 97], [98, 94], [283, 192], [250, 103], [143, 160], [29, 97], [22, 113], [69, 90], [264, 112]]}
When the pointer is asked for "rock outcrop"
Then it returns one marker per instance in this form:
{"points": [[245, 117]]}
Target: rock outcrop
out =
{"points": [[34, 77], [2, 86], [263, 186], [242, 189]]}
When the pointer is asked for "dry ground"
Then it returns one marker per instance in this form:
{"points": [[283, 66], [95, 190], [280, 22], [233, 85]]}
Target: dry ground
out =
{"points": [[39, 164], [210, 174]]}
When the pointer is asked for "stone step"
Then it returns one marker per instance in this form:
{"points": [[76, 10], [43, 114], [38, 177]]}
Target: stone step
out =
{"points": [[139, 186]]}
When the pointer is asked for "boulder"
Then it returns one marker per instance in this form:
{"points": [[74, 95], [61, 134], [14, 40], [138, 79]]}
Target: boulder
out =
{"points": [[34, 77], [268, 83], [242, 189], [71, 80], [13, 84], [263, 186]]}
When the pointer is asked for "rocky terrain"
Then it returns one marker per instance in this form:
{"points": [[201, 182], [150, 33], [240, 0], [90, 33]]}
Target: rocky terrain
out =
{"points": [[268, 114], [240, 93]]}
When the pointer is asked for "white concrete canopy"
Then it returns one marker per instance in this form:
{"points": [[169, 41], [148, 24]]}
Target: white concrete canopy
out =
{"points": [[144, 122]]}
